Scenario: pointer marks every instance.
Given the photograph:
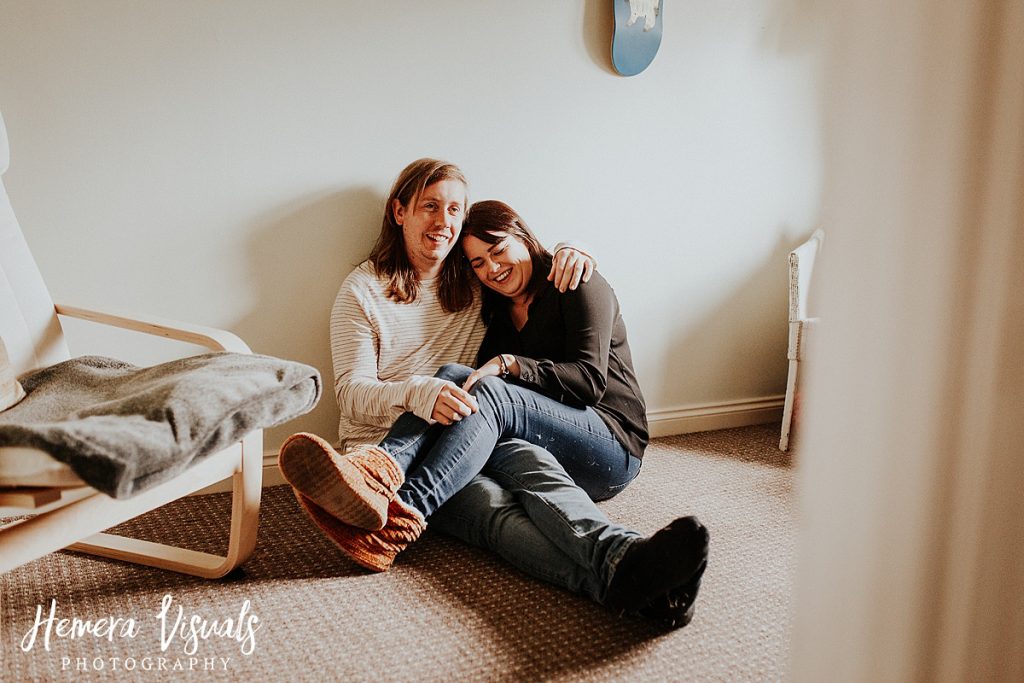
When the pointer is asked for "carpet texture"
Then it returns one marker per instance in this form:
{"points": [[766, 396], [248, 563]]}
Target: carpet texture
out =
{"points": [[445, 612]]}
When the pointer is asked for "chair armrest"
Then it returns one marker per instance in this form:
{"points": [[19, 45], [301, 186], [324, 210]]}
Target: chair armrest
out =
{"points": [[210, 337]]}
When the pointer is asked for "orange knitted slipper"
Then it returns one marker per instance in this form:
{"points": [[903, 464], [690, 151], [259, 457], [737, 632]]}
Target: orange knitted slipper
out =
{"points": [[355, 487], [374, 550]]}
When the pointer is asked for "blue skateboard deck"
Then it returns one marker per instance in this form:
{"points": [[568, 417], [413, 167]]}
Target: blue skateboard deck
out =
{"points": [[633, 48]]}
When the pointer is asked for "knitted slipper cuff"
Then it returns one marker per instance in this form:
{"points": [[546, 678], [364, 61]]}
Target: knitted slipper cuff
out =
{"points": [[378, 466], [363, 547], [404, 520]]}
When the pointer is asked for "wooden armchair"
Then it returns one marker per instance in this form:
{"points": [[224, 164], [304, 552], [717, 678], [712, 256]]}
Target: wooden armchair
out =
{"points": [[73, 516]]}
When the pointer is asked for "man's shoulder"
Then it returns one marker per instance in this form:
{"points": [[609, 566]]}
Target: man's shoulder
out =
{"points": [[360, 290], [362, 280], [364, 272]]}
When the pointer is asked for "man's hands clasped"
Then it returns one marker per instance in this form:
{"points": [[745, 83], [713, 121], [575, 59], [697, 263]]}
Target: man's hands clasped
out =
{"points": [[453, 404]]}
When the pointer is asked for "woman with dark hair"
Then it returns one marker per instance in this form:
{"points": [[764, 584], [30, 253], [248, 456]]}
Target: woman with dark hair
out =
{"points": [[565, 356], [558, 373]]}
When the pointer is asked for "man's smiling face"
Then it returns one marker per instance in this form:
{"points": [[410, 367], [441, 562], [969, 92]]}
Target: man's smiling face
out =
{"points": [[431, 224]]}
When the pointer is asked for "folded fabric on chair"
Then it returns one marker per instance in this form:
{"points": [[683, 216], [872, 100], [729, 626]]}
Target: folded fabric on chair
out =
{"points": [[124, 429]]}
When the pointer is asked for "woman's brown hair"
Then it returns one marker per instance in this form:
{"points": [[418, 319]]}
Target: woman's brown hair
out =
{"points": [[389, 256], [490, 221]]}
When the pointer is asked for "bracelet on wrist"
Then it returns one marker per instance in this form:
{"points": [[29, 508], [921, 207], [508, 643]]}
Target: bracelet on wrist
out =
{"points": [[504, 366]]}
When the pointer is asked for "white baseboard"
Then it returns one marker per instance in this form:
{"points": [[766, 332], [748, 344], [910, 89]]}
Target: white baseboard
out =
{"points": [[665, 422], [709, 416], [271, 472]]}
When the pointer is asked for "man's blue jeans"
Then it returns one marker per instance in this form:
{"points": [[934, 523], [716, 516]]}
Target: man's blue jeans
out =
{"points": [[438, 461], [526, 508]]}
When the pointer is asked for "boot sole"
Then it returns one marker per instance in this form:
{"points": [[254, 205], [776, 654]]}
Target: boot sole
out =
{"points": [[317, 471]]}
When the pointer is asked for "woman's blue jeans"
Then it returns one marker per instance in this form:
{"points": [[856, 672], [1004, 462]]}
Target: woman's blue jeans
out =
{"points": [[438, 461]]}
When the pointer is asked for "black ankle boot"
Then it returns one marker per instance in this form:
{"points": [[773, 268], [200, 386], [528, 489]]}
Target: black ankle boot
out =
{"points": [[675, 608], [673, 559]]}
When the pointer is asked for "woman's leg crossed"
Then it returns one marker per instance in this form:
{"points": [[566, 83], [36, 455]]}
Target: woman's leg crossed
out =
{"points": [[578, 437]]}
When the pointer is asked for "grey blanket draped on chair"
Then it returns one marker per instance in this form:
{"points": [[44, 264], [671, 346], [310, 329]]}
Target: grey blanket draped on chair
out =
{"points": [[124, 429]]}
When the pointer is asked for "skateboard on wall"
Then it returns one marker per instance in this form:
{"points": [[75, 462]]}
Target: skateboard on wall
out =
{"points": [[637, 34]]}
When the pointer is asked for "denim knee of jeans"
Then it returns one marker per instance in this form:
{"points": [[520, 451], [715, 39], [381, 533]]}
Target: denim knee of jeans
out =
{"points": [[454, 372], [490, 388]]}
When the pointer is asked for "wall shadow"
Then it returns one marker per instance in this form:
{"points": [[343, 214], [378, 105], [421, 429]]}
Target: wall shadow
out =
{"points": [[298, 257]]}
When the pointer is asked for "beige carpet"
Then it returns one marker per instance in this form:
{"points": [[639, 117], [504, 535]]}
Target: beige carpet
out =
{"points": [[446, 612]]}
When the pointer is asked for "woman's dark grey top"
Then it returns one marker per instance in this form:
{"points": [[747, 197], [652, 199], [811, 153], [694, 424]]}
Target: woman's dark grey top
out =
{"points": [[573, 349]]}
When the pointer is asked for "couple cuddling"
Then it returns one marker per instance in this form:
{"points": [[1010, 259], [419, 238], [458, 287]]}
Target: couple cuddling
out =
{"points": [[512, 455]]}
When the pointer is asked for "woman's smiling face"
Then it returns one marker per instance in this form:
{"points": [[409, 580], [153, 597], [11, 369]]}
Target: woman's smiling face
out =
{"points": [[505, 267]]}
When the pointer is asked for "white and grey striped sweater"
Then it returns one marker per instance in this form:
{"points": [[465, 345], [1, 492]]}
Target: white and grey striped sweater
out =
{"points": [[385, 353]]}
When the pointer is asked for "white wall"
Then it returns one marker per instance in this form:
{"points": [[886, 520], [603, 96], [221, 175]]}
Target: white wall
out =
{"points": [[226, 162]]}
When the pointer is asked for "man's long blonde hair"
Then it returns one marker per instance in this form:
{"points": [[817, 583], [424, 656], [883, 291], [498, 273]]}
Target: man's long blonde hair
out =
{"points": [[389, 256]]}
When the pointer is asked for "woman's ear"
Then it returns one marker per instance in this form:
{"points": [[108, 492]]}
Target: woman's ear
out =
{"points": [[398, 211]]}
